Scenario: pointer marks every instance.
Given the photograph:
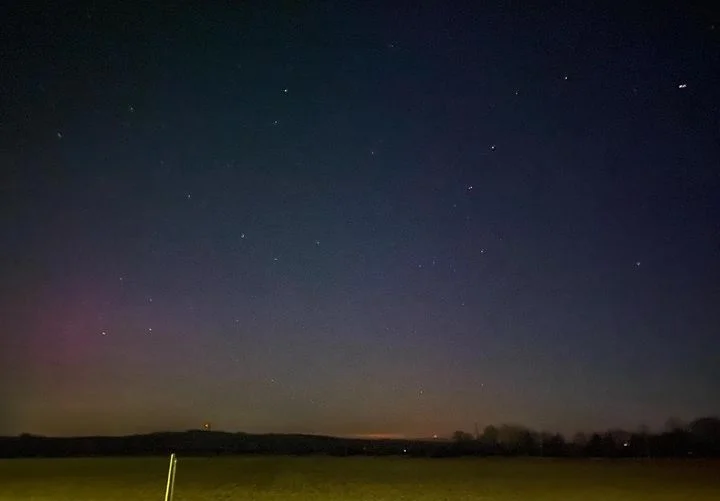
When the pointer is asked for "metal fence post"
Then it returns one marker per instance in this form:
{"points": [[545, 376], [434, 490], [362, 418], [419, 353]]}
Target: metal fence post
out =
{"points": [[170, 488]]}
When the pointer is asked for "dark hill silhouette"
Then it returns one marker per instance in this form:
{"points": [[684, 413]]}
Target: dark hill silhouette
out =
{"points": [[700, 438]]}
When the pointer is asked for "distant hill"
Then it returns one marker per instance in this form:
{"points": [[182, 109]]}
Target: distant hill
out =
{"points": [[701, 438], [199, 442]]}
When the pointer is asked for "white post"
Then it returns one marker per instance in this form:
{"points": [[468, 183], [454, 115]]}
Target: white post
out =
{"points": [[170, 488]]}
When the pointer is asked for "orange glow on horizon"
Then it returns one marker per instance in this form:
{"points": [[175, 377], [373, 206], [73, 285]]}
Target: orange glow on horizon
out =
{"points": [[379, 436]]}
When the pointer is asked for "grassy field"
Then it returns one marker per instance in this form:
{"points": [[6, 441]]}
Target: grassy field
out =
{"points": [[377, 479]]}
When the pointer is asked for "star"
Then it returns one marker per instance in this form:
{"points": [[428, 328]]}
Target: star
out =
{"points": [[149, 330], [470, 187], [104, 333], [189, 196], [131, 109], [492, 148], [59, 135], [317, 242], [682, 86], [285, 91], [242, 235], [637, 264]]}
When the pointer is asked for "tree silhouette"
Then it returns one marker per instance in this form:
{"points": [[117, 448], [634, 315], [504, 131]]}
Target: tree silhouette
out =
{"points": [[460, 436]]}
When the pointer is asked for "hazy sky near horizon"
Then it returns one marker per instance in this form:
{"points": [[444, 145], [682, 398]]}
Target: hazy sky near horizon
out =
{"points": [[358, 217]]}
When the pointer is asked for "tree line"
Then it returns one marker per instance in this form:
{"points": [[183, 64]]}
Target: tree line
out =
{"points": [[699, 438]]}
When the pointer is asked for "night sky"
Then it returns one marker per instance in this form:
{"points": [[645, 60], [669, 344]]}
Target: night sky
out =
{"points": [[358, 218]]}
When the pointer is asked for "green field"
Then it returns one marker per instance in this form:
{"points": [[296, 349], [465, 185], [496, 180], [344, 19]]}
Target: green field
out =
{"points": [[377, 479]]}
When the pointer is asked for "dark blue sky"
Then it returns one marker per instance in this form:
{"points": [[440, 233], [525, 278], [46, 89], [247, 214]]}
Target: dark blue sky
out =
{"points": [[358, 218]]}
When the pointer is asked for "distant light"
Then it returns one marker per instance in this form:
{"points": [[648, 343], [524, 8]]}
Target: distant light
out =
{"points": [[104, 333], [435, 436], [59, 135], [637, 264], [625, 444], [405, 450], [682, 86], [285, 91]]}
